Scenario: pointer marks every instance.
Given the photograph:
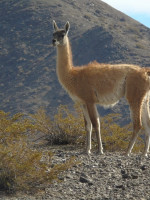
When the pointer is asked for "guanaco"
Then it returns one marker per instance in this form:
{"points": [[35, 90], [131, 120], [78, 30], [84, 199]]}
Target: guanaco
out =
{"points": [[103, 84]]}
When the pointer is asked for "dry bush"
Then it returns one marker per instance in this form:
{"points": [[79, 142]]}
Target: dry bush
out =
{"points": [[70, 125], [21, 167], [68, 128], [115, 137]]}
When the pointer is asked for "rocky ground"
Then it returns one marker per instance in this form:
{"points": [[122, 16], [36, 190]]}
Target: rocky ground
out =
{"points": [[110, 176]]}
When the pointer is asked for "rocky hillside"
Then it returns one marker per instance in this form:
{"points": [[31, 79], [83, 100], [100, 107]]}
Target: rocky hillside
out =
{"points": [[27, 59], [111, 176]]}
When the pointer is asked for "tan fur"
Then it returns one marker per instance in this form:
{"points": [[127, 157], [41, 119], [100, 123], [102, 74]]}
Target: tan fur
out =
{"points": [[102, 84]]}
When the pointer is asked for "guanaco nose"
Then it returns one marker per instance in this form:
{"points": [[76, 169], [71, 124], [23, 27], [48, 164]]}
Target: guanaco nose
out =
{"points": [[53, 41]]}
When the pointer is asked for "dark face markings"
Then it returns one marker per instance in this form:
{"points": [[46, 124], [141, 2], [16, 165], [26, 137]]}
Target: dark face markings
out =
{"points": [[59, 35]]}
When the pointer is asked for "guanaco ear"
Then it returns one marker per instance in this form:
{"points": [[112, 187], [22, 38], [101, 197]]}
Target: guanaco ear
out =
{"points": [[55, 26], [67, 26]]}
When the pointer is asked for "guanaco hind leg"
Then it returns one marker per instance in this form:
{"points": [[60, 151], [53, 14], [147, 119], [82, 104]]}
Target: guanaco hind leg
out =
{"points": [[146, 123], [141, 117], [137, 125]]}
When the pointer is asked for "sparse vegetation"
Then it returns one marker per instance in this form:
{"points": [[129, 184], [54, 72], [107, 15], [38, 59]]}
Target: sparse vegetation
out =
{"points": [[68, 128], [23, 167], [115, 137], [140, 45]]}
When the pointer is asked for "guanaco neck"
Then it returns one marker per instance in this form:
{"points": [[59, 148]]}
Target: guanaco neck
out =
{"points": [[64, 60]]}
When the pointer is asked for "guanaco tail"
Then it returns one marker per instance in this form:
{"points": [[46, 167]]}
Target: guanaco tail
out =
{"points": [[103, 84]]}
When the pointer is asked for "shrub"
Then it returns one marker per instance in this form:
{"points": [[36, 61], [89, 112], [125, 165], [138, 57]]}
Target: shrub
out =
{"points": [[68, 128], [70, 125], [115, 137], [22, 167]]}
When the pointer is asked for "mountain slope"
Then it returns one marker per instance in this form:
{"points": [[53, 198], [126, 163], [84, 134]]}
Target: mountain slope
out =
{"points": [[27, 59]]}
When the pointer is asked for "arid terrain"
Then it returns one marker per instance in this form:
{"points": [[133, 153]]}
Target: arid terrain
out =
{"points": [[28, 82], [111, 176], [28, 60]]}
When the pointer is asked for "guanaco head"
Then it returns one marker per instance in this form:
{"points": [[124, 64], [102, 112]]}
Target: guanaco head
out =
{"points": [[60, 35]]}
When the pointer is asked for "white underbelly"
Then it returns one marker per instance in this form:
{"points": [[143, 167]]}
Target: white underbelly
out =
{"points": [[111, 99], [108, 101]]}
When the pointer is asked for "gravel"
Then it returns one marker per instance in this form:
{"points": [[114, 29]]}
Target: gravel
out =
{"points": [[111, 176]]}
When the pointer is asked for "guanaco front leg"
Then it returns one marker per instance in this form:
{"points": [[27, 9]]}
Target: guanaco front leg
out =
{"points": [[88, 127], [94, 117]]}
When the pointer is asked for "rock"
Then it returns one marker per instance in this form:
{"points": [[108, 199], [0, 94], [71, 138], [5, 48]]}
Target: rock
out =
{"points": [[126, 176], [120, 186], [134, 176], [85, 179], [69, 176], [143, 167], [106, 177]]}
